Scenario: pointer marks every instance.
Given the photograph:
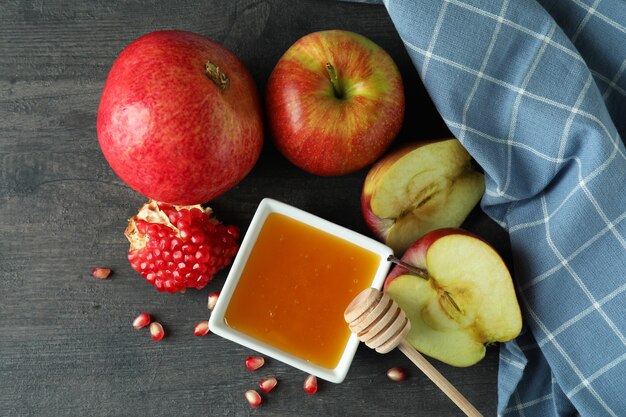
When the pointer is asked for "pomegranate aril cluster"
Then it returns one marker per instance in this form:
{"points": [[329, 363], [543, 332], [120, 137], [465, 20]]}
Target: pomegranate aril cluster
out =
{"points": [[175, 248]]}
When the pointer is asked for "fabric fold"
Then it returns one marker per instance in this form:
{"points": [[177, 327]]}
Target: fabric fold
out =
{"points": [[537, 101]]}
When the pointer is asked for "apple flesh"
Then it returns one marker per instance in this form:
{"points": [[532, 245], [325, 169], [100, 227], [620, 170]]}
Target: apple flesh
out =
{"points": [[420, 188], [179, 119], [335, 102], [467, 300]]}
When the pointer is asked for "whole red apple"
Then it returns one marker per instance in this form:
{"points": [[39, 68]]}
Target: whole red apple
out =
{"points": [[335, 102], [179, 119]]}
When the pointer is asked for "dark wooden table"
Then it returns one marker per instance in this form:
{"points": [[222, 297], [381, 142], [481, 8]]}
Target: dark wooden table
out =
{"points": [[67, 347]]}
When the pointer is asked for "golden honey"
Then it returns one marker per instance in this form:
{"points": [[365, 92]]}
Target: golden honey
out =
{"points": [[295, 286]]}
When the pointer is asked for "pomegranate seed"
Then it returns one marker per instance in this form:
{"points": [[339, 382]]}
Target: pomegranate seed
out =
{"points": [[201, 329], [141, 321], [156, 331], [101, 273], [396, 374], [254, 362], [196, 213], [253, 397], [184, 234], [268, 384], [213, 299], [233, 231], [310, 384], [197, 236], [203, 254]]}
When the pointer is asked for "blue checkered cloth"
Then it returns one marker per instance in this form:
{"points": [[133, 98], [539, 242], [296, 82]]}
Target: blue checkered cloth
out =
{"points": [[536, 92]]}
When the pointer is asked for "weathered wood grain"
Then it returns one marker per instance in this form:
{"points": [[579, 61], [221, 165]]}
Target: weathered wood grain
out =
{"points": [[66, 344]]}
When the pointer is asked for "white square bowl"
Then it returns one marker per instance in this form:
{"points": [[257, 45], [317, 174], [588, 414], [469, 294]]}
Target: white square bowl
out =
{"points": [[218, 325]]}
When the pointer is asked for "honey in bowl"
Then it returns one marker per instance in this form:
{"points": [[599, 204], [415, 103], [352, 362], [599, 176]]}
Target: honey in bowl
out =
{"points": [[295, 286], [293, 277]]}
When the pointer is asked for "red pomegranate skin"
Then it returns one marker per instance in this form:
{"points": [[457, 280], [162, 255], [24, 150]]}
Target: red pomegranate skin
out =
{"points": [[168, 130]]}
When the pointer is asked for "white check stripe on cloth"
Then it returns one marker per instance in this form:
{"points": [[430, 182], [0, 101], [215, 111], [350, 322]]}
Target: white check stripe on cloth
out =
{"points": [[573, 111], [516, 364], [483, 66], [612, 84], [590, 12], [578, 317], [573, 255], [545, 100], [594, 12], [520, 93], [570, 119], [514, 228], [550, 336], [521, 407], [518, 27], [587, 381], [433, 38], [555, 167]]}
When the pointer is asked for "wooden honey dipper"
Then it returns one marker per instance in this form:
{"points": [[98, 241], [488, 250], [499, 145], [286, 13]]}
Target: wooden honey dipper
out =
{"points": [[382, 325]]}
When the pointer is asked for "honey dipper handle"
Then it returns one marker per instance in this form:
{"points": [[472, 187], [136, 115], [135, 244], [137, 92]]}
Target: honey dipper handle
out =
{"points": [[433, 374]]}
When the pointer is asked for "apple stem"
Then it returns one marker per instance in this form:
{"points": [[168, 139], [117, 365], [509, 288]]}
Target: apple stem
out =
{"points": [[216, 75], [422, 273], [334, 80]]}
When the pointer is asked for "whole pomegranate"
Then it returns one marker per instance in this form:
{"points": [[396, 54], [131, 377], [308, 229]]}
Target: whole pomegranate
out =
{"points": [[179, 119]]}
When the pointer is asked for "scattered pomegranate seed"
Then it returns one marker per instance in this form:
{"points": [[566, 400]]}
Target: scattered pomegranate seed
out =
{"points": [[254, 362], [253, 397], [213, 299], [201, 329], [156, 331], [268, 384], [101, 273], [396, 374], [310, 384], [141, 321]]}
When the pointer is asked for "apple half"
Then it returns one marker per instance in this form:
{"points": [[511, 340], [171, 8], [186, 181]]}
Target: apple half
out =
{"points": [[420, 188], [463, 301]]}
